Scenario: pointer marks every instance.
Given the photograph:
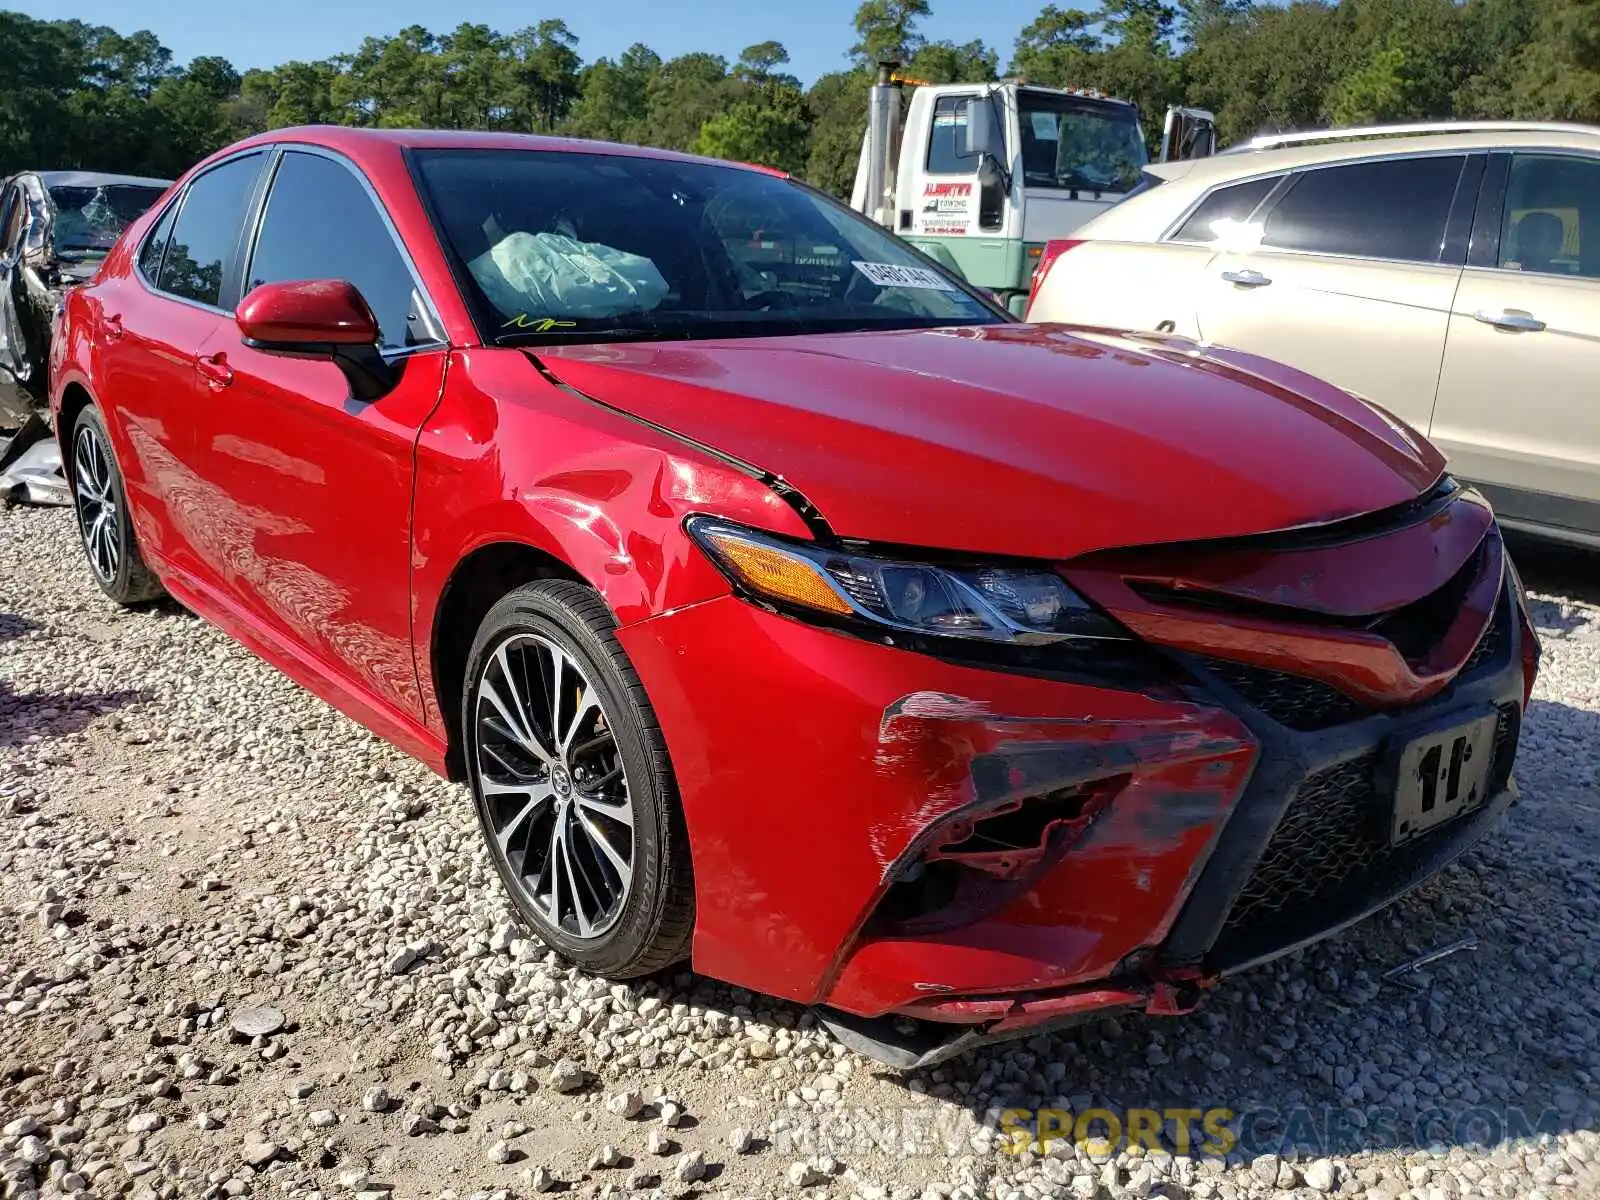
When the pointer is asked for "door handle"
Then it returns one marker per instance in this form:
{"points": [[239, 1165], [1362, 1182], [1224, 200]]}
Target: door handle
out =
{"points": [[214, 369], [111, 327], [1246, 279], [1510, 318]]}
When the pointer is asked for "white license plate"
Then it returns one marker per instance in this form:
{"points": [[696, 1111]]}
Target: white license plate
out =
{"points": [[1442, 775]]}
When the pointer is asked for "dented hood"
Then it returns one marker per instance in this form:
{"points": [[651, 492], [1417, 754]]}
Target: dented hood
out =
{"points": [[1020, 440]]}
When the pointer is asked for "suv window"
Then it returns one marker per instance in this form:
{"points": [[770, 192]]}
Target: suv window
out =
{"points": [[947, 141], [1395, 209], [207, 230], [155, 243], [1551, 222], [1233, 203], [321, 223]]}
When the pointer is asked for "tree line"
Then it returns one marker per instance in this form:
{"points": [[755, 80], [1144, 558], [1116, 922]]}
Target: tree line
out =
{"points": [[76, 95]]}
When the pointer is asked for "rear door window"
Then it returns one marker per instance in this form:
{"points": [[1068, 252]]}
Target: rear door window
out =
{"points": [[1395, 209], [155, 244], [321, 223], [204, 239], [1223, 207], [1551, 221]]}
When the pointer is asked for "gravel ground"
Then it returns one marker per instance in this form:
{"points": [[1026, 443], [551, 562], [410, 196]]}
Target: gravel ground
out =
{"points": [[248, 949]]}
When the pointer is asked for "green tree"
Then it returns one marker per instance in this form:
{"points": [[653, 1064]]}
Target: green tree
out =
{"points": [[838, 109], [768, 128], [613, 97], [887, 30]]}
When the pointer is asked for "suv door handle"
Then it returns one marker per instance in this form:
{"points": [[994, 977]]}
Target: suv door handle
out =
{"points": [[1510, 318], [1246, 279], [214, 369], [111, 326]]}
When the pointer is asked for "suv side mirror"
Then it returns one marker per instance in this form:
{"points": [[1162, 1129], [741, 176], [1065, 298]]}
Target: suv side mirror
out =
{"points": [[324, 319]]}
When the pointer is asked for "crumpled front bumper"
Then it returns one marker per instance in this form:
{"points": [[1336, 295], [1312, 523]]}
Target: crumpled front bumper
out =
{"points": [[825, 777]]}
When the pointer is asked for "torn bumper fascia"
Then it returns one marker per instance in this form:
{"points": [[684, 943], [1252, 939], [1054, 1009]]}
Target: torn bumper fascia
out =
{"points": [[817, 769]]}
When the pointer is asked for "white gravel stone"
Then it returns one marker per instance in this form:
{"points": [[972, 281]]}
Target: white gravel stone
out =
{"points": [[690, 1166], [804, 1175], [625, 1104], [233, 845]]}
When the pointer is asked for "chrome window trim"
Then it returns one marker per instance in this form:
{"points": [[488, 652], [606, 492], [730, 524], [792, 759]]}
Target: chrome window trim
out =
{"points": [[430, 312]]}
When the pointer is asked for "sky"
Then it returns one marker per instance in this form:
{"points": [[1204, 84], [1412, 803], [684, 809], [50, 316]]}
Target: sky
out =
{"points": [[817, 34]]}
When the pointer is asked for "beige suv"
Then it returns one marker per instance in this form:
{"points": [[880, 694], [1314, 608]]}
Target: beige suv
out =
{"points": [[1449, 273]]}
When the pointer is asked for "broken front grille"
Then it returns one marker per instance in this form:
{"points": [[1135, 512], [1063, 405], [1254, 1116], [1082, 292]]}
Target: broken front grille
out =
{"points": [[1333, 838], [1307, 705]]}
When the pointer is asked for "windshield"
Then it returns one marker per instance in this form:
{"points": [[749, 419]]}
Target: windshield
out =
{"points": [[89, 220], [1069, 142], [562, 246]]}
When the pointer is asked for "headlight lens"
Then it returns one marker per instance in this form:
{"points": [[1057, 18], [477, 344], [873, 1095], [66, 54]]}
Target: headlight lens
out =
{"points": [[1019, 605]]}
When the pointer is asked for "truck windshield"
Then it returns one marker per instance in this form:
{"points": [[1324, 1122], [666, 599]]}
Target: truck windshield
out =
{"points": [[572, 247], [1079, 143], [89, 220]]}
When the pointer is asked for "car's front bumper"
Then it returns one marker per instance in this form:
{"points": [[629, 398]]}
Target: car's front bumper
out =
{"points": [[824, 779]]}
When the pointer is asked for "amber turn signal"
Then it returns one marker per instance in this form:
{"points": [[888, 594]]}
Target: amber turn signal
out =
{"points": [[771, 572]]}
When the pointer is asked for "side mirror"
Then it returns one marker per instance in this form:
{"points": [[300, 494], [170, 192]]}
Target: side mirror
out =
{"points": [[325, 319], [984, 137]]}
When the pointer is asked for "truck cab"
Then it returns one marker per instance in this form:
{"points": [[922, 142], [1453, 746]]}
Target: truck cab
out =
{"points": [[981, 176]]}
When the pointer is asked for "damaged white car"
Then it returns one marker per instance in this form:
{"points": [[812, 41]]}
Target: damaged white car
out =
{"points": [[55, 228]]}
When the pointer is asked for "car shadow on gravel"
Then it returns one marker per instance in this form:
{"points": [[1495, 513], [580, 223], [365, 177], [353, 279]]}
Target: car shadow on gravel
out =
{"points": [[1319, 1055], [30, 716]]}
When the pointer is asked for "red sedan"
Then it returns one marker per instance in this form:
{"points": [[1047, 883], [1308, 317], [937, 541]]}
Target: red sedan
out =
{"points": [[793, 608]]}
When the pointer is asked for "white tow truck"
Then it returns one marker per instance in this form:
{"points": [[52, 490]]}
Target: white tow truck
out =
{"points": [[981, 176]]}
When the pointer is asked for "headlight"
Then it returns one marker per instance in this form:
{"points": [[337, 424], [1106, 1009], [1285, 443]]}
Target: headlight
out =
{"points": [[1021, 605]]}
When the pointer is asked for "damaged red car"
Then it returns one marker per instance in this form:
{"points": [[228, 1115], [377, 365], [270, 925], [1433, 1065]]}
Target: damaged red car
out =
{"points": [[785, 604]]}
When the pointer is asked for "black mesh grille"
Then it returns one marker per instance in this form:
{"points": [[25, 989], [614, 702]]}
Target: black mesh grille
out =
{"points": [[1334, 835], [1492, 645], [1291, 700]]}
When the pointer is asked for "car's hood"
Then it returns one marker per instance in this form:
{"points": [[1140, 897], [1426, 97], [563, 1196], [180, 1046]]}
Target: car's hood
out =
{"points": [[1018, 439]]}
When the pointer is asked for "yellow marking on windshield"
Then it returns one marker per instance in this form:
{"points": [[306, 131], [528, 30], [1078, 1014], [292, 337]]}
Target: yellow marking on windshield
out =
{"points": [[537, 324]]}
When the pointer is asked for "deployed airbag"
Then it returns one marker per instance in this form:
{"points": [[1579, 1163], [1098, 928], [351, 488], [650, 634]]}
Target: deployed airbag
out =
{"points": [[552, 275]]}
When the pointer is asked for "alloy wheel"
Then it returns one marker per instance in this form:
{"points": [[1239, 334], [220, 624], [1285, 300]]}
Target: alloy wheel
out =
{"points": [[553, 786], [96, 503]]}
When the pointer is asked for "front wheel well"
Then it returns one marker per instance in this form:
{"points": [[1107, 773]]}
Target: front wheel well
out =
{"points": [[475, 586], [74, 399]]}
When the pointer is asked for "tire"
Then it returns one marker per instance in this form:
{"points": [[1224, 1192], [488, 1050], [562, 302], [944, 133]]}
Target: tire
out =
{"points": [[105, 528], [545, 810]]}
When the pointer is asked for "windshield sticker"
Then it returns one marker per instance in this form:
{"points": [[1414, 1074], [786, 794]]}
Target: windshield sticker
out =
{"points": [[537, 324], [1044, 125], [889, 275]]}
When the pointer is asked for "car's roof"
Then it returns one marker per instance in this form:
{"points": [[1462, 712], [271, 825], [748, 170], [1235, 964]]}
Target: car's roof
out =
{"points": [[53, 179], [1341, 147], [352, 141], [1142, 217]]}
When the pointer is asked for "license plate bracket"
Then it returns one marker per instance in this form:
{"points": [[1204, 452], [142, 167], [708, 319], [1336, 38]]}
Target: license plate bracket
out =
{"points": [[1440, 774]]}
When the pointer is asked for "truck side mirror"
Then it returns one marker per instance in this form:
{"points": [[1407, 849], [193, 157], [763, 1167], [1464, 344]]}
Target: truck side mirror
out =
{"points": [[984, 138], [1188, 133]]}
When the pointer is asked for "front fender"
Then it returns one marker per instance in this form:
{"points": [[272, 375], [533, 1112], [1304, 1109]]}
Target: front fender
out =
{"points": [[510, 459]]}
